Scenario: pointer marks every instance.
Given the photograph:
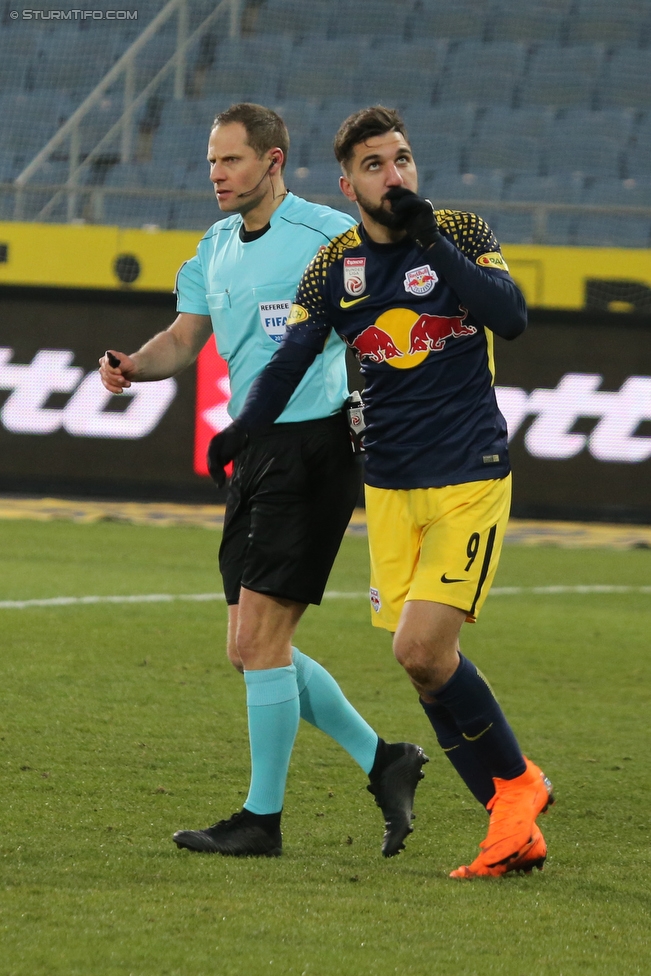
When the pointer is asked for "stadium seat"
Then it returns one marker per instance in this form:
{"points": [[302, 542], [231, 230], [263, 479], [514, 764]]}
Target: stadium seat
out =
{"points": [[606, 230], [588, 142], [513, 227], [511, 153], [441, 19], [392, 82], [135, 211], [558, 229], [544, 189], [326, 72], [637, 161], [483, 73], [625, 81], [536, 123], [434, 154], [606, 22], [425, 55], [442, 122], [126, 175], [388, 17], [319, 180], [456, 189], [562, 76], [197, 214], [187, 144], [294, 17], [245, 67], [517, 21], [621, 193]]}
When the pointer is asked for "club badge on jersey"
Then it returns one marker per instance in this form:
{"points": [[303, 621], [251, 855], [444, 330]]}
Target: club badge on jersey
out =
{"points": [[420, 281], [355, 276]]}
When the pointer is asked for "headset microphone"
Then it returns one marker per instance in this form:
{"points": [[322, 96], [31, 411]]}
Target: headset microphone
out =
{"points": [[248, 193]]}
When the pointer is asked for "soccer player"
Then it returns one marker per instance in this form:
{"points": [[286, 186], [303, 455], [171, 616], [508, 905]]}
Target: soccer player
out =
{"points": [[293, 488], [419, 295]]}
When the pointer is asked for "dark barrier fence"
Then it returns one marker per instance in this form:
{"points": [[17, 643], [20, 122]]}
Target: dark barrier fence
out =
{"points": [[575, 389]]}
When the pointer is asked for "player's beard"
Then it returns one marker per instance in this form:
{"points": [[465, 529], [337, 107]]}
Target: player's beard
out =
{"points": [[380, 214]]}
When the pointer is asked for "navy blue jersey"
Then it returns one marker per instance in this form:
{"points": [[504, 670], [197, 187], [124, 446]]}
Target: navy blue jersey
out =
{"points": [[421, 323]]}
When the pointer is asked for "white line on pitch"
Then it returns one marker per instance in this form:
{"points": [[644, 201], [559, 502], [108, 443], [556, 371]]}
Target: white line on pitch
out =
{"points": [[68, 601]]}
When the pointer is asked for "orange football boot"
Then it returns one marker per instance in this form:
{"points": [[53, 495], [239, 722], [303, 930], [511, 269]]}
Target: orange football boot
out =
{"points": [[531, 856], [513, 838]]}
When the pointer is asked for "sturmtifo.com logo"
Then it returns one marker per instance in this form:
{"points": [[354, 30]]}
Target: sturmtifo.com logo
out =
{"points": [[74, 14]]}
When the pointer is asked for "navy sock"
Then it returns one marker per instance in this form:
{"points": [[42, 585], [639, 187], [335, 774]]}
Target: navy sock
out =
{"points": [[470, 701], [460, 752]]}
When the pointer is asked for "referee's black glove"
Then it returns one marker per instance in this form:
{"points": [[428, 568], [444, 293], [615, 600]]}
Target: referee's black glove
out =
{"points": [[415, 215], [224, 448]]}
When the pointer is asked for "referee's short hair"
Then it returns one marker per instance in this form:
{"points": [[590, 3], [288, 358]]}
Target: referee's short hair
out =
{"points": [[363, 125], [264, 128]]}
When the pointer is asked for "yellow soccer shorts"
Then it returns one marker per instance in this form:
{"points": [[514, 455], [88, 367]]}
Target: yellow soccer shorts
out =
{"points": [[436, 544]]}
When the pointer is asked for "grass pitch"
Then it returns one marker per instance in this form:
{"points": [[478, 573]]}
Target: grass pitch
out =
{"points": [[122, 723]]}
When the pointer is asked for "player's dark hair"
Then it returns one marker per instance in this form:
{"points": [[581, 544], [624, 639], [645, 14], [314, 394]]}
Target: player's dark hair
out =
{"points": [[264, 128], [363, 125]]}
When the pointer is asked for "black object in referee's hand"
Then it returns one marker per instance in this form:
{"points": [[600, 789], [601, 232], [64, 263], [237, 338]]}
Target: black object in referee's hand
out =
{"points": [[224, 448], [415, 215]]}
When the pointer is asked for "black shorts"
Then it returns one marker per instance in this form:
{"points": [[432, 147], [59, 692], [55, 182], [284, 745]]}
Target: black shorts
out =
{"points": [[289, 501]]}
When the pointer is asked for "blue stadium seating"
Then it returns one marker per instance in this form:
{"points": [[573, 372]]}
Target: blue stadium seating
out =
{"points": [[294, 17], [494, 94], [625, 81], [319, 180], [517, 21], [441, 19], [446, 187], [606, 22], [562, 76], [623, 193], [588, 142], [545, 189], [605, 230], [484, 73], [195, 214], [369, 18]]}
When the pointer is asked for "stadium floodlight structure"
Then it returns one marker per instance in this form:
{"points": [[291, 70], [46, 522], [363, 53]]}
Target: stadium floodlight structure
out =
{"points": [[124, 68]]}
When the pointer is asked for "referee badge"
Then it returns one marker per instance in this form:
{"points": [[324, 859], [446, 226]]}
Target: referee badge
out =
{"points": [[355, 275]]}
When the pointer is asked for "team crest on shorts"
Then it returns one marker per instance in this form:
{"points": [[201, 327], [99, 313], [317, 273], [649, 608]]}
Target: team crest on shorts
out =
{"points": [[420, 281], [355, 275], [376, 602]]}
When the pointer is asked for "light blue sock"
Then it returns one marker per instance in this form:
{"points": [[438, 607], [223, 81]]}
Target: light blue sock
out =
{"points": [[274, 714], [324, 705]]}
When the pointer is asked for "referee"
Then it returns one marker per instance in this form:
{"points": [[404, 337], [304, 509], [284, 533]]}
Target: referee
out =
{"points": [[294, 485]]}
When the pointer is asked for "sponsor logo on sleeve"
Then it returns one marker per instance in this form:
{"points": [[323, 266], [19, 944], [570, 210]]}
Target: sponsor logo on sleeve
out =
{"points": [[297, 314], [355, 276], [492, 260], [273, 318], [420, 281]]}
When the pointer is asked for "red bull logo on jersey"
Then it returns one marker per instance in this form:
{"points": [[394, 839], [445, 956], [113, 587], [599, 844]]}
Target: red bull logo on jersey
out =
{"points": [[431, 332], [420, 281], [355, 276], [403, 338], [375, 344]]}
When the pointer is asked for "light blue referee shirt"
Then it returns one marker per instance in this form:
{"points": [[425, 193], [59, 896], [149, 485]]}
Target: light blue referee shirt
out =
{"points": [[248, 288]]}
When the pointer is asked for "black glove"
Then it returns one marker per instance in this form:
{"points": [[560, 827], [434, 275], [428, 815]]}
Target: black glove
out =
{"points": [[224, 448], [415, 215]]}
